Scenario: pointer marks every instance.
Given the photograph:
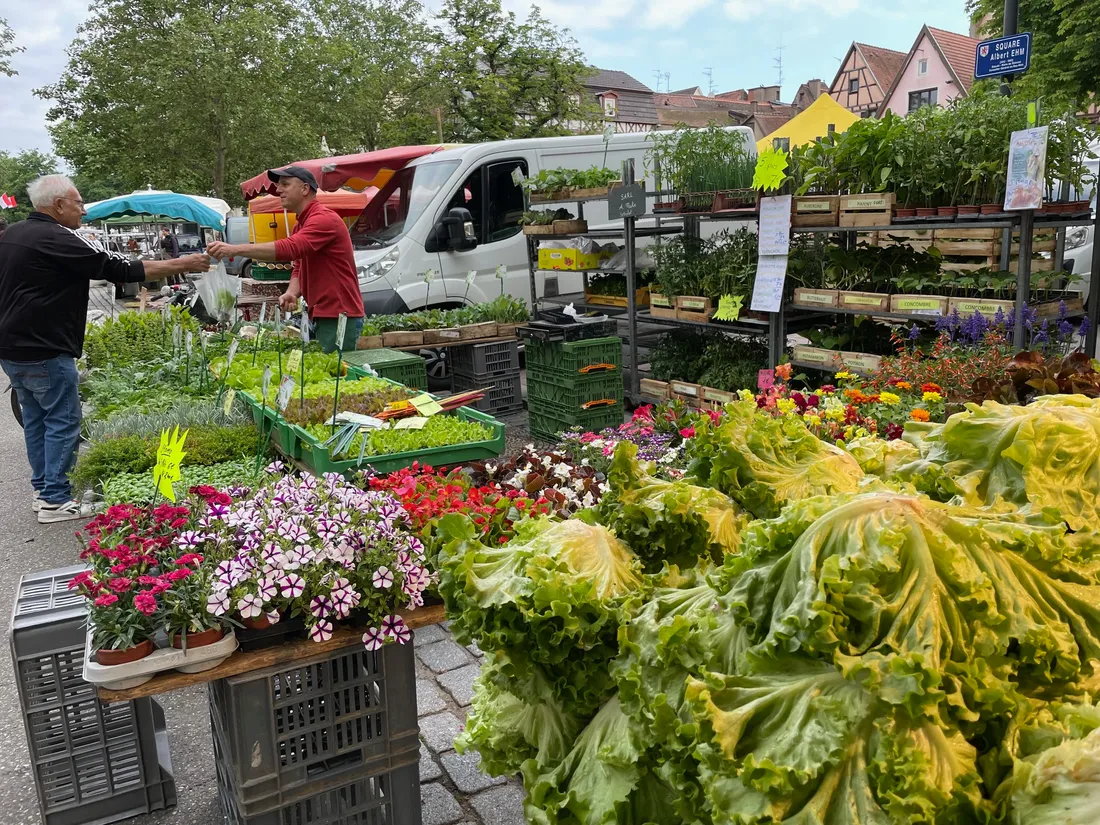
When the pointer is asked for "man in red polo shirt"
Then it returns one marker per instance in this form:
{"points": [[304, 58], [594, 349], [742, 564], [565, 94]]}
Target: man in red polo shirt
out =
{"points": [[324, 262]]}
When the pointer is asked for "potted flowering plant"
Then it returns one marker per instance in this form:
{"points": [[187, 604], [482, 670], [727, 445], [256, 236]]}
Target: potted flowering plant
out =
{"points": [[186, 620], [318, 549], [125, 584]]}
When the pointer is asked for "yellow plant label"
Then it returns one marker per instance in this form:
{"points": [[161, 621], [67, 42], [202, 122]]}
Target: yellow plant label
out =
{"points": [[771, 170], [729, 308], [230, 397], [293, 361], [169, 457]]}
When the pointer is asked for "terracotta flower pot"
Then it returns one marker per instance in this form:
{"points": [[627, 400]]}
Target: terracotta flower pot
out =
{"points": [[992, 208], [258, 623], [969, 209], [926, 211], [1080, 206], [947, 211], [905, 212], [122, 657], [207, 637]]}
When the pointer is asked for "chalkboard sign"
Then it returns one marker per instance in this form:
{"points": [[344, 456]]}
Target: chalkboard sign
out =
{"points": [[627, 201]]}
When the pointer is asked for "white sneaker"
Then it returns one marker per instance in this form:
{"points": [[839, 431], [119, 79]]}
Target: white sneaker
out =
{"points": [[37, 502], [70, 510]]}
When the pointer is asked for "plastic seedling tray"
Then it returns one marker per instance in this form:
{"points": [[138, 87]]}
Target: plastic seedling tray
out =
{"points": [[318, 458], [132, 674]]}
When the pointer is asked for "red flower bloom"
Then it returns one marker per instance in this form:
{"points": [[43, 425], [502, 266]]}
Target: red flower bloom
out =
{"points": [[106, 600], [120, 585], [146, 603], [180, 574], [688, 432]]}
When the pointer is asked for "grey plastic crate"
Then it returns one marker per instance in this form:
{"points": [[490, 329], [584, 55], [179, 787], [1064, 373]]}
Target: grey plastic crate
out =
{"points": [[486, 359], [391, 798], [288, 732], [93, 762], [504, 393]]}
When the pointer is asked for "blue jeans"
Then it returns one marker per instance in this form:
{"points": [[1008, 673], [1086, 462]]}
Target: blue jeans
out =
{"points": [[50, 397]]}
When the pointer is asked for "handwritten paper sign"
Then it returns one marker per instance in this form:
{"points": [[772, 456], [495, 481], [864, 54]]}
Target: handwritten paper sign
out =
{"points": [[729, 308], [775, 225], [767, 292], [415, 423], [426, 405], [293, 361], [765, 379], [169, 457], [771, 168], [627, 201], [341, 328], [230, 397]]}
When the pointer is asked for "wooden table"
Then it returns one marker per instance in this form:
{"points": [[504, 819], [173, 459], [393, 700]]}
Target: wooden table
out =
{"points": [[238, 663]]}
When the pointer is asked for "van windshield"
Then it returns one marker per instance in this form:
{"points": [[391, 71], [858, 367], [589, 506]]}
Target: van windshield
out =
{"points": [[399, 203]]}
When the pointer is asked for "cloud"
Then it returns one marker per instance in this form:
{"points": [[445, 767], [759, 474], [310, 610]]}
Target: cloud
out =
{"points": [[749, 9], [671, 14]]}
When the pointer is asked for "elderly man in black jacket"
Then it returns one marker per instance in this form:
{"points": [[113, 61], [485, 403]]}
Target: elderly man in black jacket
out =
{"points": [[45, 269]]}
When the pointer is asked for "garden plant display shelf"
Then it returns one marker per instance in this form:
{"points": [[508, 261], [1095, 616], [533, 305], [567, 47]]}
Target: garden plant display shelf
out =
{"points": [[792, 318], [239, 662]]}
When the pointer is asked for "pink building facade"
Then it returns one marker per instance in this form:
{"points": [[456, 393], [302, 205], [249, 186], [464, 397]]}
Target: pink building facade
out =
{"points": [[938, 69]]}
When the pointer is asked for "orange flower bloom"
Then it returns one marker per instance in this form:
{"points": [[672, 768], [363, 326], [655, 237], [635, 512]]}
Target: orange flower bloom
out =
{"points": [[783, 372], [930, 387], [919, 415], [903, 385]]}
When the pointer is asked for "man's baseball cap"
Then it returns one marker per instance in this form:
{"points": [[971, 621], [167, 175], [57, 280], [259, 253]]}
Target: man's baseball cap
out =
{"points": [[299, 172]]}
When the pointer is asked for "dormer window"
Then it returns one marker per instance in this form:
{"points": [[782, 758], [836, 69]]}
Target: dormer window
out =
{"points": [[610, 103]]}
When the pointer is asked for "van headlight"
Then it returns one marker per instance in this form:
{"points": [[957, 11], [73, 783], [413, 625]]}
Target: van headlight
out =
{"points": [[371, 273], [1077, 237]]}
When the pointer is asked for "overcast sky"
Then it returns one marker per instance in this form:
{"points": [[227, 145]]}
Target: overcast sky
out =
{"points": [[738, 39]]}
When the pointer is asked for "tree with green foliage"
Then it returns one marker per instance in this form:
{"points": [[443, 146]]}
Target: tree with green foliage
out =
{"points": [[1065, 48], [374, 55], [502, 78], [7, 48], [190, 95], [18, 170]]}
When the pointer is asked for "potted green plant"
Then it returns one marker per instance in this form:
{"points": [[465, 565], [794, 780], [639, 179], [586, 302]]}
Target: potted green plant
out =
{"points": [[187, 619]]}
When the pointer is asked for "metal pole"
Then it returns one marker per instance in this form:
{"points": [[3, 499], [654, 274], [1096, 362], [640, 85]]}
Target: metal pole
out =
{"points": [[1094, 293], [631, 307], [1012, 26], [1023, 276]]}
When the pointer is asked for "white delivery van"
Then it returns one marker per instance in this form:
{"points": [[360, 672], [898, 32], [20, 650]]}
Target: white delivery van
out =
{"points": [[409, 228]]}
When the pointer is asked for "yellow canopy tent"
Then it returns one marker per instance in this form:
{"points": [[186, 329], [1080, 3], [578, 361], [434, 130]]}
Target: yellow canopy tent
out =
{"points": [[811, 124]]}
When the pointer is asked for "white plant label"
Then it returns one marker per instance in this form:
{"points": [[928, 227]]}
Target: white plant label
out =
{"points": [[265, 383], [232, 352], [286, 389], [189, 343], [341, 328], [263, 313], [470, 277]]}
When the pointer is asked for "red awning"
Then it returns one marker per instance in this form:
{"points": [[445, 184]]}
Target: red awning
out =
{"points": [[344, 203], [355, 171]]}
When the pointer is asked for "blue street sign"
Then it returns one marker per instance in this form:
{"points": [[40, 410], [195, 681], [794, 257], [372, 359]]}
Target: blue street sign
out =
{"points": [[1003, 55]]}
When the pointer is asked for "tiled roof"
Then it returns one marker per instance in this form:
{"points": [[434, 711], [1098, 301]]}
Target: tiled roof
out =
{"points": [[736, 94], [959, 51], [679, 101], [883, 63], [617, 81], [691, 90], [768, 123]]}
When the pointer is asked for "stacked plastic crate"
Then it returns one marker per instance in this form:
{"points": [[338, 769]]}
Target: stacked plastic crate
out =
{"points": [[331, 740], [93, 762], [403, 367], [491, 367], [574, 384]]}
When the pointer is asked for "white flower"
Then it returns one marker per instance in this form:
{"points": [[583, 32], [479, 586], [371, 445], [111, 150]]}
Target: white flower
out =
{"points": [[547, 460], [383, 578], [322, 631], [217, 603], [292, 586], [563, 471], [605, 488], [373, 638], [569, 494], [578, 484], [588, 500], [584, 462], [250, 606], [490, 470]]}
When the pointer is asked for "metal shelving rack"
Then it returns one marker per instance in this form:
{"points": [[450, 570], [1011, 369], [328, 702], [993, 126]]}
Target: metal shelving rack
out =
{"points": [[780, 323]]}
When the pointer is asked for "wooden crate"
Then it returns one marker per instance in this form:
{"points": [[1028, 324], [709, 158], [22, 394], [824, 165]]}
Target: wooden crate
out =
{"points": [[825, 359], [694, 308], [369, 342], [557, 228], [986, 306], [720, 397], [471, 332], [402, 339], [686, 391], [933, 305], [1050, 310], [661, 306], [816, 298], [876, 209], [442, 336], [861, 362], [641, 299], [869, 301], [815, 210], [919, 239], [651, 388]]}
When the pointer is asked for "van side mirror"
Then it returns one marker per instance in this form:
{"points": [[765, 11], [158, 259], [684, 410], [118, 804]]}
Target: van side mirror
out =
{"points": [[453, 233]]}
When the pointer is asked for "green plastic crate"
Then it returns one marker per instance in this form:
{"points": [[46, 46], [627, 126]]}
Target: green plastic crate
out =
{"points": [[285, 440], [547, 423], [548, 393], [262, 272], [405, 368], [566, 361], [315, 456]]}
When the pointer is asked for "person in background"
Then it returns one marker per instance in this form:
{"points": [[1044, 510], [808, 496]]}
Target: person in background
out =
{"points": [[45, 269], [169, 245], [324, 261]]}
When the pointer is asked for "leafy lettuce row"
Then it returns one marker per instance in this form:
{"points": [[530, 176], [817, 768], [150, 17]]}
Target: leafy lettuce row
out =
{"points": [[764, 463]]}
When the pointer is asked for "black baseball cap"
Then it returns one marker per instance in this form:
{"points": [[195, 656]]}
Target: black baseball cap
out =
{"points": [[299, 172]]}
